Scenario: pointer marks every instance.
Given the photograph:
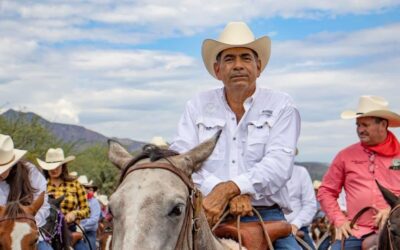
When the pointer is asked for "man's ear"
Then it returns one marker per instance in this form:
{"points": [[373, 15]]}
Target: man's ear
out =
{"points": [[216, 70], [258, 67]]}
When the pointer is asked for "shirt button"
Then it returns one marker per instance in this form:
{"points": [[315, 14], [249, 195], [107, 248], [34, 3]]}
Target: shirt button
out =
{"points": [[234, 138], [233, 161], [233, 118]]}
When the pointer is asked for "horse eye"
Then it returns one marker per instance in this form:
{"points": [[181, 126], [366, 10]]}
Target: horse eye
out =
{"points": [[176, 211]]}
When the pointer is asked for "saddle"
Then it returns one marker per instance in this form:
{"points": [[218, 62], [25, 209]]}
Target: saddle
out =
{"points": [[252, 233]]}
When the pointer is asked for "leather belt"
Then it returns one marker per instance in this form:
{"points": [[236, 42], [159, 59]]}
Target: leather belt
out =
{"points": [[275, 206]]}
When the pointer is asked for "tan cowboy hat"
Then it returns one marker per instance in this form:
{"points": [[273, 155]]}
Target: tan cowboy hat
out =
{"points": [[54, 158], [373, 106], [8, 154], [235, 34], [159, 141], [74, 174], [85, 182], [316, 184]]}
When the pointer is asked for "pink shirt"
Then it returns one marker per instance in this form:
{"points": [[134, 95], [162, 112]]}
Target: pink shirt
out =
{"points": [[355, 169]]}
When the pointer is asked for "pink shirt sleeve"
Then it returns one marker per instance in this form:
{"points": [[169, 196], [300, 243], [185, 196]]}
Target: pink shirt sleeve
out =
{"points": [[329, 191]]}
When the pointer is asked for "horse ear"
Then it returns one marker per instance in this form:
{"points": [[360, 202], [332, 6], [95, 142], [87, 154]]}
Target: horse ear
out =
{"points": [[191, 161], [390, 198], [36, 204], [58, 201], [118, 154]]}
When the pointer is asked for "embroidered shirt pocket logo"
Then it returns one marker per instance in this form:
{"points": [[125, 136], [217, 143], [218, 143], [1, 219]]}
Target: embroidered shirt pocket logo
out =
{"points": [[395, 164]]}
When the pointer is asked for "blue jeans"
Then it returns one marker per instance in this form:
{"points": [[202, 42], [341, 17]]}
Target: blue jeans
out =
{"points": [[351, 243], [80, 245], [324, 245], [307, 238], [275, 214], [92, 239], [43, 245]]}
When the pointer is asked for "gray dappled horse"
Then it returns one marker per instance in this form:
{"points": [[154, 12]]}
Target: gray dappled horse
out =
{"points": [[153, 205]]}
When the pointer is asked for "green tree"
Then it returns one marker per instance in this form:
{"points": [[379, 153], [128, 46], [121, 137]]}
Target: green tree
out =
{"points": [[29, 134], [94, 163]]}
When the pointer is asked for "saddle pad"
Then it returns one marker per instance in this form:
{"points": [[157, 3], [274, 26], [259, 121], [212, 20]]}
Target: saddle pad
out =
{"points": [[252, 233]]}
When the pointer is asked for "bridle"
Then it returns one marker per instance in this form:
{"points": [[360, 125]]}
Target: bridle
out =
{"points": [[20, 217], [389, 225], [58, 217], [193, 204]]}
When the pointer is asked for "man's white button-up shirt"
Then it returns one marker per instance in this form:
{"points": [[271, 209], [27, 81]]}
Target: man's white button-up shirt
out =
{"points": [[256, 153], [302, 198]]}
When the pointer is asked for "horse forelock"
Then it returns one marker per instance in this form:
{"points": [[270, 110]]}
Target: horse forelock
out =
{"points": [[149, 151], [13, 210]]}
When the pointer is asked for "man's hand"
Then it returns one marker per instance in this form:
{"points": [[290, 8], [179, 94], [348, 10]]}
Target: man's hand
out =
{"points": [[381, 217], [344, 230], [216, 201], [241, 205], [294, 229]]}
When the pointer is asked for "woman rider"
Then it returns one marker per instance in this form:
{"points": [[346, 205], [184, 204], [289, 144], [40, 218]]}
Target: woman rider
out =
{"points": [[21, 181], [75, 206]]}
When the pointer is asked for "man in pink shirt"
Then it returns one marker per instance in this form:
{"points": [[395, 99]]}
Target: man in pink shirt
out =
{"points": [[356, 168]]}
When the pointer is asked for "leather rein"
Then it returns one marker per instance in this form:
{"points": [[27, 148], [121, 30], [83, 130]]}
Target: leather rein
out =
{"points": [[193, 204], [388, 224], [19, 217]]}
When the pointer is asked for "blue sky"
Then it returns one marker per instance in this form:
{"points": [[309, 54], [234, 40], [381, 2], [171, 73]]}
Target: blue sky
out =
{"points": [[126, 68]]}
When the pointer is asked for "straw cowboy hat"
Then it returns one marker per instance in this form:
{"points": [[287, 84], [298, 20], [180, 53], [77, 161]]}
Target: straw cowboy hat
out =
{"points": [[54, 158], [74, 174], [159, 141], [8, 154], [235, 34], [373, 106], [316, 184], [103, 199], [86, 183]]}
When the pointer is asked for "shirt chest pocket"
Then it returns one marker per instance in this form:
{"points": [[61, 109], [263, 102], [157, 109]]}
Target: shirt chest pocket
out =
{"points": [[70, 201], [258, 133], [208, 127]]}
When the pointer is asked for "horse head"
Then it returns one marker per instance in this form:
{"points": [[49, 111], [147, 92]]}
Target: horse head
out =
{"points": [[18, 228], [150, 206], [390, 235], [55, 231]]}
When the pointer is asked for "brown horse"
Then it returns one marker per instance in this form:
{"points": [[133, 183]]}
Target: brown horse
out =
{"points": [[389, 238], [18, 228], [104, 234]]}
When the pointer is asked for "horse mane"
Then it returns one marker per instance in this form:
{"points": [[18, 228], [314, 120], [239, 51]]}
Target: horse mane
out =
{"points": [[14, 209], [151, 152]]}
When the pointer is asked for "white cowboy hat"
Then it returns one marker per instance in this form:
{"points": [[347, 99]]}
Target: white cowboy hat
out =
{"points": [[103, 199], [54, 158], [316, 184], [158, 141], [373, 106], [85, 182], [8, 154], [235, 34], [74, 174]]}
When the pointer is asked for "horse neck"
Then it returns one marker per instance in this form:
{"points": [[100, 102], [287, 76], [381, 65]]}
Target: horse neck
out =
{"points": [[207, 240]]}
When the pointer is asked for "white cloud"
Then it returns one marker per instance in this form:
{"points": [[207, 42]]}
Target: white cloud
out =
{"points": [[52, 63]]}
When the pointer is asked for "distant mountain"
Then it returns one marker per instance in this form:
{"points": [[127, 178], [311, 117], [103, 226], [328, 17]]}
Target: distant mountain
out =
{"points": [[316, 169], [87, 137], [72, 133]]}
